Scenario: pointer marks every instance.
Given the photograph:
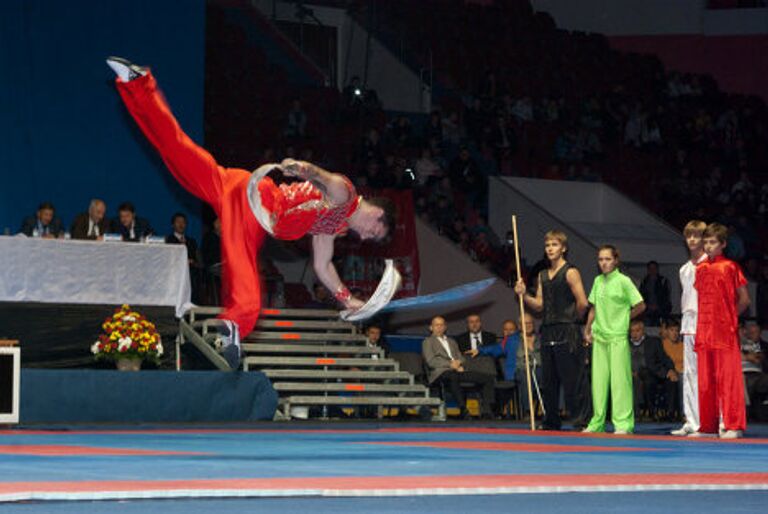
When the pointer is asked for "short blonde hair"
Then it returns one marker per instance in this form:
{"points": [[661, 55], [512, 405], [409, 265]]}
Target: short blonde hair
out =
{"points": [[557, 235], [694, 227]]}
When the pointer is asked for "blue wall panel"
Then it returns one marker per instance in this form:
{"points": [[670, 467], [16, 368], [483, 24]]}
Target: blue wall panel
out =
{"points": [[64, 134]]}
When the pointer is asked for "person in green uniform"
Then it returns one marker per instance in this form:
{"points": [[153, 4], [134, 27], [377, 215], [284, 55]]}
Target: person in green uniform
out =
{"points": [[614, 300]]}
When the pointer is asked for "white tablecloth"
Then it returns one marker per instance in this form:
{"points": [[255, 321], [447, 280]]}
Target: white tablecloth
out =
{"points": [[94, 272]]}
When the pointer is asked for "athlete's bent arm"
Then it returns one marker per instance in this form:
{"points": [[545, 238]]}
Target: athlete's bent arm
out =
{"points": [[573, 277], [535, 303], [322, 260]]}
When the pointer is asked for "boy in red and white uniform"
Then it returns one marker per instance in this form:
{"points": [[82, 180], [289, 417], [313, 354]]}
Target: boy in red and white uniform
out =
{"points": [[689, 306], [723, 296]]}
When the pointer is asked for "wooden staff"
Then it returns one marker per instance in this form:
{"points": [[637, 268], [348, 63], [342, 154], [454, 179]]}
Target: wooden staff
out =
{"points": [[522, 326]]}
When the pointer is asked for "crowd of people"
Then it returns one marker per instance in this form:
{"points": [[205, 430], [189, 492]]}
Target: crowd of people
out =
{"points": [[567, 107]]}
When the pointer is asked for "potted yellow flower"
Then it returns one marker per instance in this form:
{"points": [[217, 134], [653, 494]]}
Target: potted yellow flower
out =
{"points": [[128, 339]]}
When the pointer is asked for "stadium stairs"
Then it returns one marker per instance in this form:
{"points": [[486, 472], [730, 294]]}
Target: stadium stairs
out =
{"points": [[314, 359]]}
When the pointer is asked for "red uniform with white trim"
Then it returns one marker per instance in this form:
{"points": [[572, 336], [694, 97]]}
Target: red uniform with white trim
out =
{"points": [[296, 209], [721, 384]]}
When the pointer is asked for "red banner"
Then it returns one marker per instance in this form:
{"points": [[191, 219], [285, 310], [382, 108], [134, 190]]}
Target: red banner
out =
{"points": [[361, 264]]}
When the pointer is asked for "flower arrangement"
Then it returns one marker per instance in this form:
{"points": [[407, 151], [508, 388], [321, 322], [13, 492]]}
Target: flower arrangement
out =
{"points": [[128, 335]]}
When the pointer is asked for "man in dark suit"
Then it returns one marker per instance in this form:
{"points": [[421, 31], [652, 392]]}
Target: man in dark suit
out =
{"points": [[656, 295], [475, 336], [179, 237], [129, 226], [445, 364], [43, 224], [651, 367], [92, 224], [211, 246]]}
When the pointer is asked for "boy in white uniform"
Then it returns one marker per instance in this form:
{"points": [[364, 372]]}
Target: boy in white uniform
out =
{"points": [[689, 306]]}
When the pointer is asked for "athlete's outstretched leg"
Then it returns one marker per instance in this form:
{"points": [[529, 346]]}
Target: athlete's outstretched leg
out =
{"points": [[193, 167]]}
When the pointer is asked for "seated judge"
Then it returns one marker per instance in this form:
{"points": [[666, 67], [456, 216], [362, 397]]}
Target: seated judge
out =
{"points": [[43, 224], [92, 224], [130, 227]]}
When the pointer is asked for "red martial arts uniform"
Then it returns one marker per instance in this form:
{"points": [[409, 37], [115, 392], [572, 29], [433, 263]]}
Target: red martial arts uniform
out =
{"points": [[721, 384], [296, 209]]}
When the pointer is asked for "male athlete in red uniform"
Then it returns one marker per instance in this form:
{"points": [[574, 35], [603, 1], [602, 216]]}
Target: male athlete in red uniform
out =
{"points": [[723, 296], [250, 206]]}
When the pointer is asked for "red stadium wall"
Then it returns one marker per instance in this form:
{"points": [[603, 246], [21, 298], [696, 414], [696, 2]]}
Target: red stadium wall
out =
{"points": [[738, 63]]}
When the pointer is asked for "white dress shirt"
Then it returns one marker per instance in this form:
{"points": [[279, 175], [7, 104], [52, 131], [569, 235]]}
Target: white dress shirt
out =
{"points": [[475, 339], [689, 303], [444, 341], [93, 228]]}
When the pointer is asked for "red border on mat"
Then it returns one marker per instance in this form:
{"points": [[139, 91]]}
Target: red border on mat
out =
{"points": [[66, 450]]}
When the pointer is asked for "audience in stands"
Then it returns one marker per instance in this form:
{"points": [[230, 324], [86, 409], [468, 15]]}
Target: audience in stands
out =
{"points": [[43, 224], [653, 372], [130, 227], [504, 354], [296, 122], [534, 361], [374, 338], [505, 349], [92, 224], [673, 347], [754, 366], [656, 293], [445, 365], [641, 372]]}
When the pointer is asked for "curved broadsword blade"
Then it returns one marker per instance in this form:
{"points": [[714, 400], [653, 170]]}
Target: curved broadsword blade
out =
{"points": [[388, 285]]}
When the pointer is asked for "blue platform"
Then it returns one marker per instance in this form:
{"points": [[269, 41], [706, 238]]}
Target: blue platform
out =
{"points": [[102, 396]]}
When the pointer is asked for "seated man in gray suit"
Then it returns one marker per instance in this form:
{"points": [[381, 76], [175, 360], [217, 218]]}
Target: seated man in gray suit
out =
{"points": [[446, 364]]}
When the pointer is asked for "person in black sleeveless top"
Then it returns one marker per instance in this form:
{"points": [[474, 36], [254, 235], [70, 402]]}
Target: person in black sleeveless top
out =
{"points": [[561, 299]]}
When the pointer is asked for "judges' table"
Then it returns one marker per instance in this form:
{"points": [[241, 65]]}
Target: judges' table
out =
{"points": [[94, 272]]}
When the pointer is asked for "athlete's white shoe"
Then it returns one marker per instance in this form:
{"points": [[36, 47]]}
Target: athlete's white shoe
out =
{"points": [[732, 434], [682, 431], [228, 342], [702, 435], [125, 69]]}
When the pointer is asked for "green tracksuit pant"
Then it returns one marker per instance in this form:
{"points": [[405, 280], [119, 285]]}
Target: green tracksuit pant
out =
{"points": [[612, 368]]}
